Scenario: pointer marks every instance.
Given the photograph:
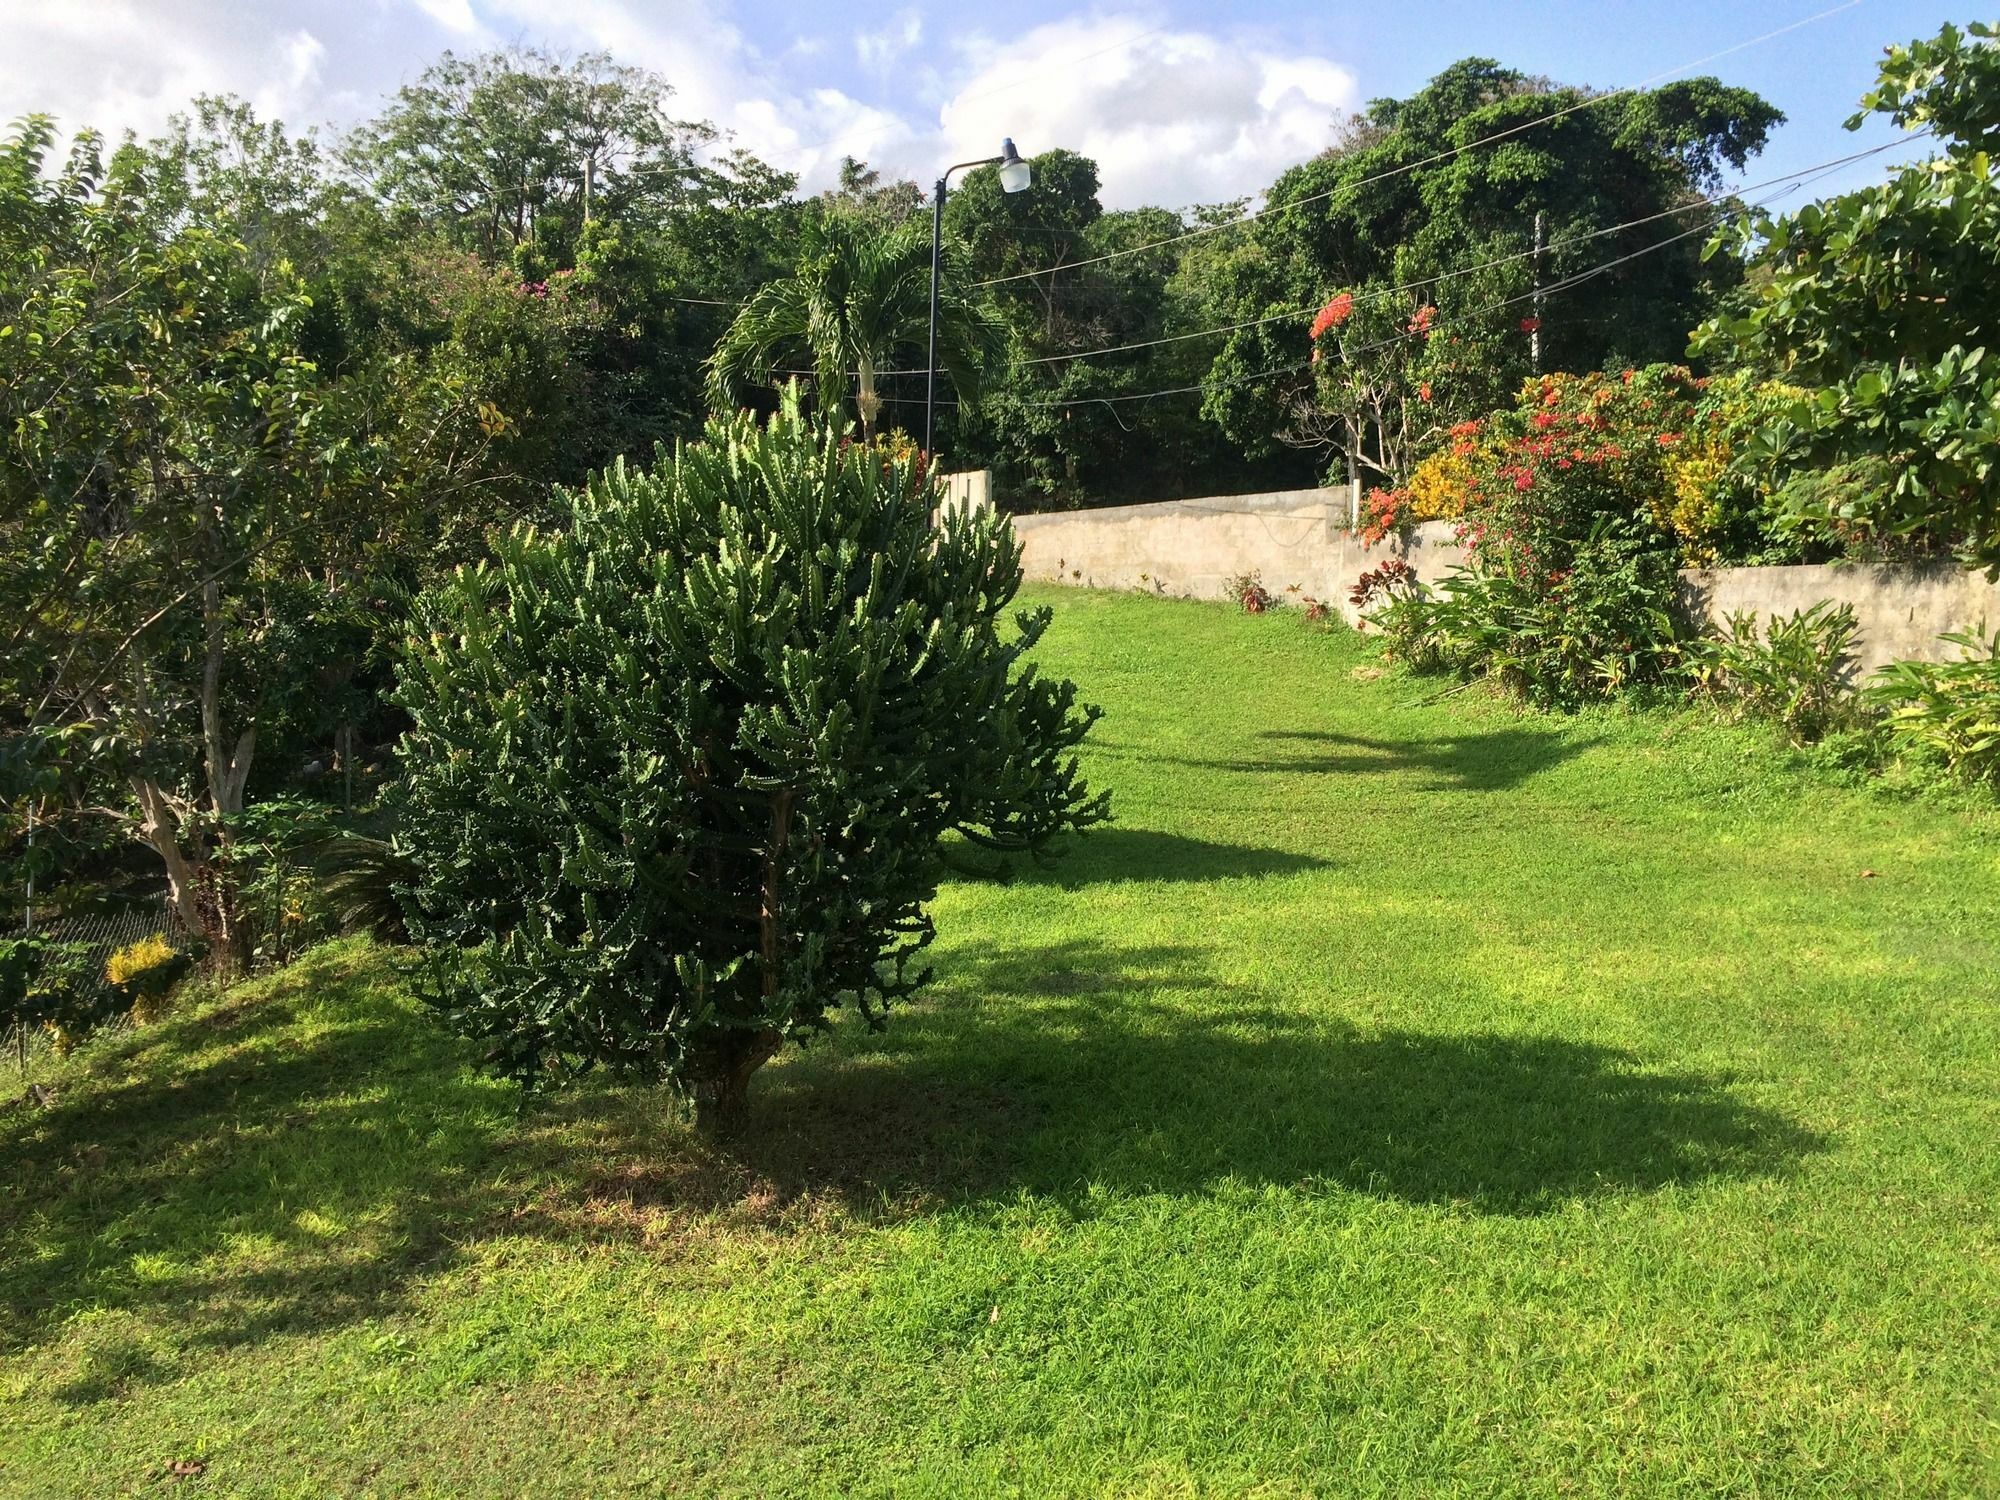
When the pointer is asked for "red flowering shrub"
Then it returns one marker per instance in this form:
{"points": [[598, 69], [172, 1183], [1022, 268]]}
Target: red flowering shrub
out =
{"points": [[1339, 308], [1574, 507], [1384, 511]]}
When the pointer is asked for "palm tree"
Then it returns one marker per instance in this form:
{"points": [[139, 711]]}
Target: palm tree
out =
{"points": [[857, 299]]}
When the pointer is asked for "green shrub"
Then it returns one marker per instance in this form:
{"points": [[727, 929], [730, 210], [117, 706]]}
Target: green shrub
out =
{"points": [[678, 776], [1949, 710], [359, 877], [1798, 672], [1566, 636], [1393, 599], [1248, 590], [45, 984], [279, 906]]}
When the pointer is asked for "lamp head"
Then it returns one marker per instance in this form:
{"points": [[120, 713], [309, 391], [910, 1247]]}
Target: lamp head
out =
{"points": [[1013, 170]]}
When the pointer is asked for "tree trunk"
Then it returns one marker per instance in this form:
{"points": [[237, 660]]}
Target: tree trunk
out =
{"points": [[228, 773], [722, 1087], [722, 1077], [228, 770], [160, 829]]}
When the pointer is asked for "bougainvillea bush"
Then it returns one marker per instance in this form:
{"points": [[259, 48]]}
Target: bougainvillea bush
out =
{"points": [[1656, 446], [680, 776], [1575, 507]]}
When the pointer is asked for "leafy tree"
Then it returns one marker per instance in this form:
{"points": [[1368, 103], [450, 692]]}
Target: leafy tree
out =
{"points": [[856, 302], [680, 771], [185, 504], [1420, 188], [1033, 238], [218, 163], [1063, 424], [1883, 302], [504, 148], [862, 193], [666, 288]]}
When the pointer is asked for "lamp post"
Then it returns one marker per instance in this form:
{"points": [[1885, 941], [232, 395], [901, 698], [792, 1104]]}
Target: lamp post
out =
{"points": [[1013, 179]]}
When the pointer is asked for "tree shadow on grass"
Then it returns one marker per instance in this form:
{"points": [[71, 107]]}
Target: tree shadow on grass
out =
{"points": [[1494, 761], [1109, 854], [1084, 1078], [338, 1153], [295, 1181]]}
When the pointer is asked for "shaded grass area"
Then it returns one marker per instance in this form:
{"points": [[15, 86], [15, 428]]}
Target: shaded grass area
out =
{"points": [[1400, 1097]]}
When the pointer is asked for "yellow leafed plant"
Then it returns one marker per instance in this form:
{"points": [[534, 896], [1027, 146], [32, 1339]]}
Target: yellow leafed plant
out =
{"points": [[144, 973]]}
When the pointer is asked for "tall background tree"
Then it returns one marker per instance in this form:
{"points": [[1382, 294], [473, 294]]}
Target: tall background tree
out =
{"points": [[1064, 424], [513, 149], [189, 503], [1418, 189], [855, 306]]}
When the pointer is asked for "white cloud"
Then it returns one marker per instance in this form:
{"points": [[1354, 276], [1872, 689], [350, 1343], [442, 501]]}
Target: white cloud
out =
{"points": [[452, 15], [1174, 117], [117, 64], [1171, 114], [303, 53], [877, 49]]}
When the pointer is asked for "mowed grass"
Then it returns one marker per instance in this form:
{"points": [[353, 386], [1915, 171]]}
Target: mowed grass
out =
{"points": [[1400, 1098]]}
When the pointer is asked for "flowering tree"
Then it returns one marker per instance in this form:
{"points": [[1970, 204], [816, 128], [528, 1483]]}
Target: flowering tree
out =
{"points": [[1387, 375], [1399, 202]]}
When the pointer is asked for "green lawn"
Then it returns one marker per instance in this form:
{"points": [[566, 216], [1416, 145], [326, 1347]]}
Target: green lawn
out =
{"points": [[1397, 1099]]}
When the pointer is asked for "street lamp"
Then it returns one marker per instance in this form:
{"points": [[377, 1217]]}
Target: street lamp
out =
{"points": [[1013, 179]]}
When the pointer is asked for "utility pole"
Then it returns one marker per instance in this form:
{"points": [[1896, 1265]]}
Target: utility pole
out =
{"points": [[590, 181], [1535, 338]]}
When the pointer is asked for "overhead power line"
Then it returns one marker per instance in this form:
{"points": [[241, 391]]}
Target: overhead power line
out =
{"points": [[1791, 181], [1499, 135], [1577, 279], [1376, 294]]}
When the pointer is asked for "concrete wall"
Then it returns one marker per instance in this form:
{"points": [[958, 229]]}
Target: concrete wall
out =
{"points": [[1298, 541], [1901, 610], [970, 490]]}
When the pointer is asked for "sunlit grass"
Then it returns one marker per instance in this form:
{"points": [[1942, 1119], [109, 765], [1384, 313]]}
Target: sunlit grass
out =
{"points": [[1400, 1097]]}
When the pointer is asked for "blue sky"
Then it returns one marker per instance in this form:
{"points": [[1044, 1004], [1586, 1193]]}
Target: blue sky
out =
{"points": [[1179, 102]]}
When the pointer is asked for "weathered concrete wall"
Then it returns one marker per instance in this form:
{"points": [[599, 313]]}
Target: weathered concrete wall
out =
{"points": [[1901, 611], [1298, 542], [970, 490]]}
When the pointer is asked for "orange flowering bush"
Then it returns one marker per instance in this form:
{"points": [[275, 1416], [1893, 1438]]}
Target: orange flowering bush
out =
{"points": [[1657, 445]]}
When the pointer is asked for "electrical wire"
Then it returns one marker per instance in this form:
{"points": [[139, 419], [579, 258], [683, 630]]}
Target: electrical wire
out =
{"points": [[1432, 160], [1793, 181], [1589, 274], [1378, 293]]}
